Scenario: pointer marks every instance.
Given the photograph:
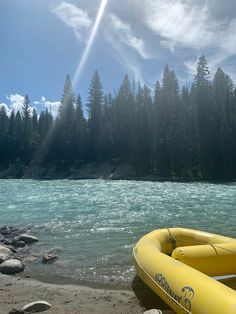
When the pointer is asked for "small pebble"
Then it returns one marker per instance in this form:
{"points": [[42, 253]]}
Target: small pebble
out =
{"points": [[38, 306]]}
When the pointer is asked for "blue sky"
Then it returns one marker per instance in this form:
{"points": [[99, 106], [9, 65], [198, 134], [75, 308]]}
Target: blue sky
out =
{"points": [[43, 40]]}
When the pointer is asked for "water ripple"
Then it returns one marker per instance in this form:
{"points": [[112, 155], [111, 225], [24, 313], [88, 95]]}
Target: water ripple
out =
{"points": [[97, 222]]}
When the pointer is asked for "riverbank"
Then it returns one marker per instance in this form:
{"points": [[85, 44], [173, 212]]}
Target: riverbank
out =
{"points": [[72, 299], [19, 287], [94, 170]]}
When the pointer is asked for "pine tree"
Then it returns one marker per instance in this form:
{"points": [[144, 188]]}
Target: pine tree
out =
{"points": [[63, 147], [142, 129], [94, 107], [155, 127], [167, 108], [223, 99], [46, 138], [206, 127], [27, 130], [35, 130], [26, 116], [18, 138], [79, 130], [4, 124], [108, 129], [124, 128]]}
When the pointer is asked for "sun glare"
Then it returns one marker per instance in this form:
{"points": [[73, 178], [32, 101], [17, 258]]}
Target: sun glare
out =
{"points": [[89, 45]]}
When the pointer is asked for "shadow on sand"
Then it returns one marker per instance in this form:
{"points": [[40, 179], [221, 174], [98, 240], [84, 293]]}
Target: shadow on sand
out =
{"points": [[147, 298]]}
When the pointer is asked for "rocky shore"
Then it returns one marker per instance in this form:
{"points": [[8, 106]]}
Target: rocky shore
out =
{"points": [[16, 247], [21, 294]]}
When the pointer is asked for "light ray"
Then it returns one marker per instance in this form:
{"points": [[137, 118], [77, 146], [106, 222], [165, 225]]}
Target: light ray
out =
{"points": [[88, 47]]}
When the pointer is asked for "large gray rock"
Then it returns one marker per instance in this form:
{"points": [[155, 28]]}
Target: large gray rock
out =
{"points": [[38, 306], [4, 257], [5, 241], [6, 230], [13, 249], [27, 238], [12, 266], [17, 243], [4, 250]]}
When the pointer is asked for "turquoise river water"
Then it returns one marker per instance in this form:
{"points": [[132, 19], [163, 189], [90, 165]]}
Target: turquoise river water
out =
{"points": [[93, 224]]}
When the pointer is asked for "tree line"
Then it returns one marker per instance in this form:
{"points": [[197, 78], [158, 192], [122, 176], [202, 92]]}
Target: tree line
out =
{"points": [[167, 133]]}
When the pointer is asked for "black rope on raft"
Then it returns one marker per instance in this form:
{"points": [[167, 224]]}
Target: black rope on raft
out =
{"points": [[213, 246], [172, 239]]}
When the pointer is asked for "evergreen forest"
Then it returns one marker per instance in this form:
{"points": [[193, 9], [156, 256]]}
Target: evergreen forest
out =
{"points": [[170, 132]]}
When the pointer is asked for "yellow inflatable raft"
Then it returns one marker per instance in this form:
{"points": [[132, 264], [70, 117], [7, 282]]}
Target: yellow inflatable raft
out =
{"points": [[179, 264]]}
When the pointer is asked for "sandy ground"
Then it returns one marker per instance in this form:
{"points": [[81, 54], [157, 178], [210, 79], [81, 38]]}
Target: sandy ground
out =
{"points": [[15, 292]]}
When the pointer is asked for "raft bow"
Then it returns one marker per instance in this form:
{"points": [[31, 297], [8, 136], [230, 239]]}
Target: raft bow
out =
{"points": [[179, 264]]}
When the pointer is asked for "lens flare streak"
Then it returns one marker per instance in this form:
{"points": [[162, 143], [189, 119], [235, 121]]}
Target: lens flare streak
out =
{"points": [[90, 41]]}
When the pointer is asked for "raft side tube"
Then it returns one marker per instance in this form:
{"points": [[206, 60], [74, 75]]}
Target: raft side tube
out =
{"points": [[166, 240], [212, 260]]}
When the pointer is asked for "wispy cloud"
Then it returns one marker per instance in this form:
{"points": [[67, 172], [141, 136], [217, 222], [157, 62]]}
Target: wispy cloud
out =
{"points": [[123, 32], [192, 24], [228, 38], [185, 28], [126, 46], [73, 17], [180, 22], [52, 106], [125, 58]]}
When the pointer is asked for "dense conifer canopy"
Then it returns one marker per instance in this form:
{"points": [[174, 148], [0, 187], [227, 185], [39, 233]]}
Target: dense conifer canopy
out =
{"points": [[167, 133]]}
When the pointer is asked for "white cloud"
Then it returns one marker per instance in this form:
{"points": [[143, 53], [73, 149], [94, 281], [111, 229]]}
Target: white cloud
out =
{"points": [[168, 44], [52, 107], [123, 42], [180, 22], [125, 34], [124, 57], [73, 17], [190, 24], [228, 38], [16, 102]]}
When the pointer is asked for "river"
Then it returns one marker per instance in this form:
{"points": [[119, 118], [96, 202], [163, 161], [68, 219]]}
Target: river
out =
{"points": [[93, 224]]}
